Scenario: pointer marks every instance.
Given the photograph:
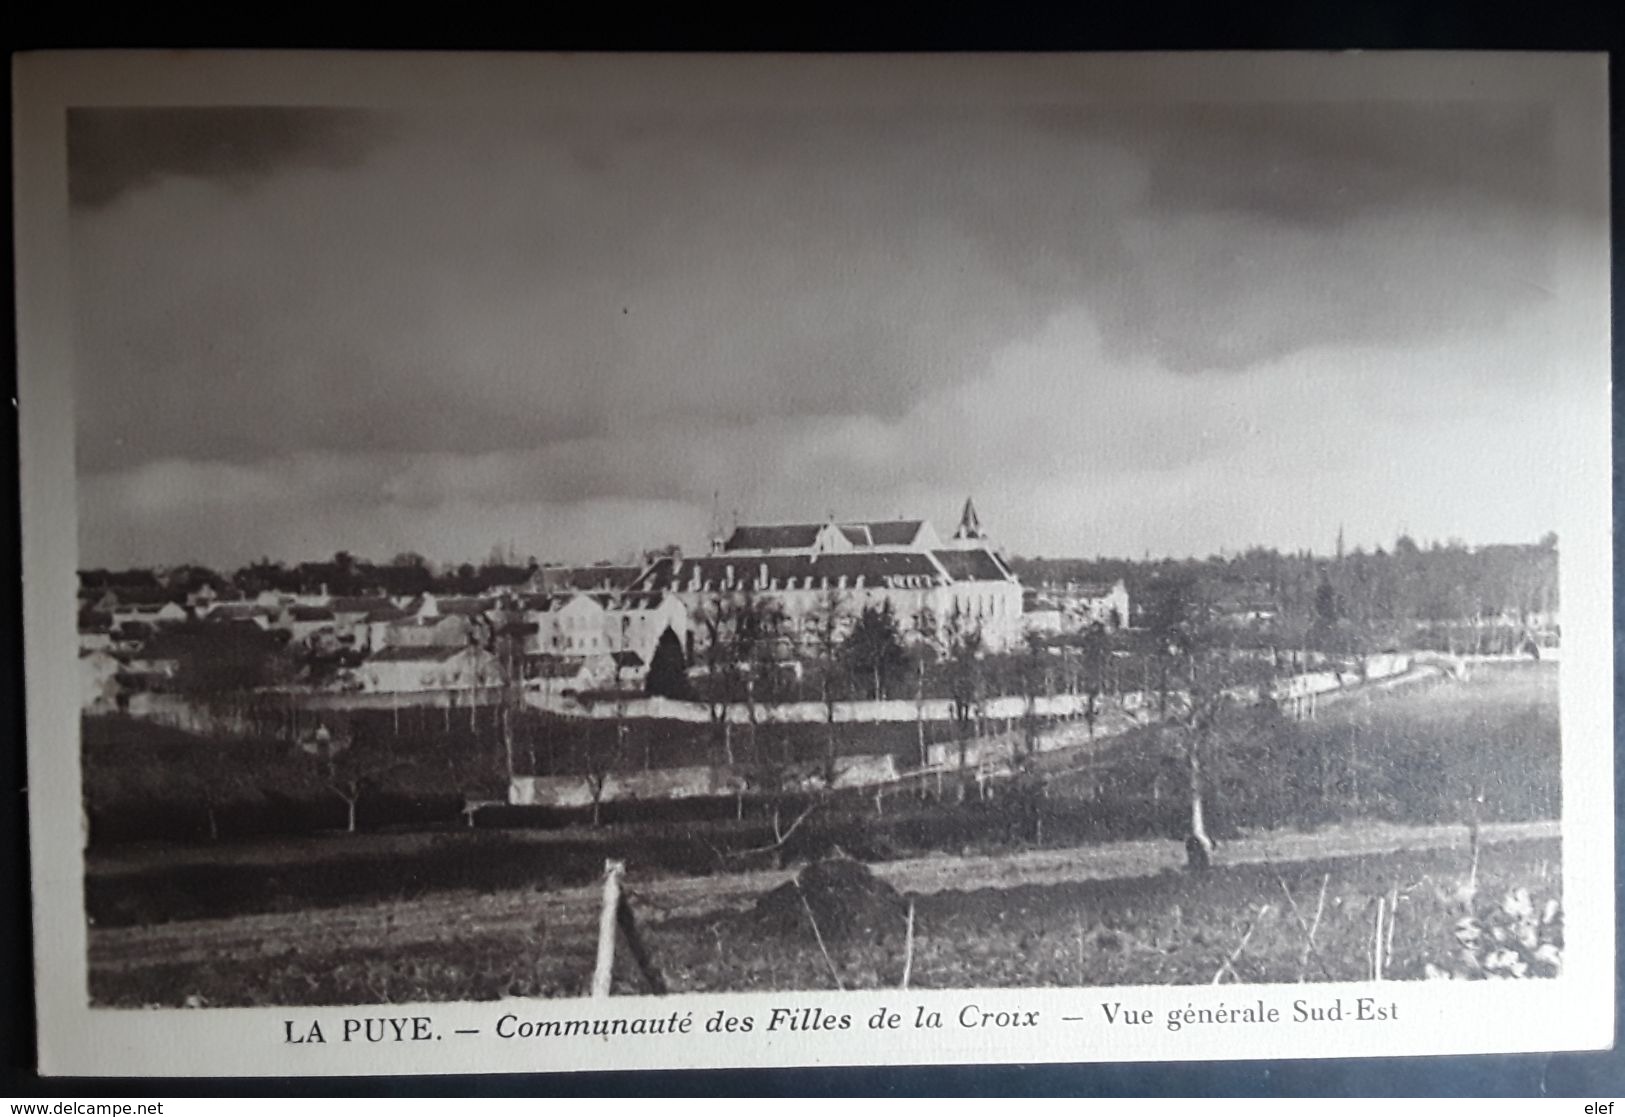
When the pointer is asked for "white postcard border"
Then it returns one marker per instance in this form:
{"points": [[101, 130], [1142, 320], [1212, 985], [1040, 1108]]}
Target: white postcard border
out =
{"points": [[1574, 1012]]}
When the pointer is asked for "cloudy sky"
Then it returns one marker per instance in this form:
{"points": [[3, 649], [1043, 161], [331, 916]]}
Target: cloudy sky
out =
{"points": [[1173, 329]]}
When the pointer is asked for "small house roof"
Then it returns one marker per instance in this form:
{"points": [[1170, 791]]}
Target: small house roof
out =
{"points": [[464, 606], [429, 654]]}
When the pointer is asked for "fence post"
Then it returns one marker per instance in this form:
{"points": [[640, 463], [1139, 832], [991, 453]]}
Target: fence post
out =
{"points": [[604, 970], [639, 949]]}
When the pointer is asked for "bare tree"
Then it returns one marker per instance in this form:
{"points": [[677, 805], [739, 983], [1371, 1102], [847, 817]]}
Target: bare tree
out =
{"points": [[350, 770], [927, 640], [1034, 675], [600, 761], [716, 617], [1211, 684], [826, 627], [963, 645], [757, 638], [1093, 672]]}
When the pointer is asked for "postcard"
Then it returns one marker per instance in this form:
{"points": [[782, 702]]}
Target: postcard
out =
{"points": [[550, 562]]}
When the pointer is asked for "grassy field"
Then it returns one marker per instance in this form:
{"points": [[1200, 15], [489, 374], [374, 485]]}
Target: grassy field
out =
{"points": [[1446, 751], [145, 781], [461, 914], [1412, 756], [1251, 921]]}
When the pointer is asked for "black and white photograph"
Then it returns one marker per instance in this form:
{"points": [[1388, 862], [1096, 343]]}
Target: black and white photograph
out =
{"points": [[753, 532]]}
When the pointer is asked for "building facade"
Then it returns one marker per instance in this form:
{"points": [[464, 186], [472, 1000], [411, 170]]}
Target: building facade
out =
{"points": [[812, 571]]}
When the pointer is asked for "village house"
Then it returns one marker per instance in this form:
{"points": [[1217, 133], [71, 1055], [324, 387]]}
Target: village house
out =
{"points": [[441, 622], [246, 612], [98, 682], [635, 622], [95, 631], [1041, 614], [148, 671], [1086, 604], [598, 578], [363, 623], [582, 674], [151, 615], [306, 624], [416, 669], [568, 624]]}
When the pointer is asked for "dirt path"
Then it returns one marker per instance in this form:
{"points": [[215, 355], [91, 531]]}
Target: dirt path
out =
{"points": [[451, 917]]}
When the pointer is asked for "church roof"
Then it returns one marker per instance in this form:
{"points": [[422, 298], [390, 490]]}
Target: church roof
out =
{"points": [[894, 533], [977, 565], [772, 537], [801, 537]]}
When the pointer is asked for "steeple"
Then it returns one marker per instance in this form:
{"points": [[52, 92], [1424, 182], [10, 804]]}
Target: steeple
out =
{"points": [[718, 535], [970, 524]]}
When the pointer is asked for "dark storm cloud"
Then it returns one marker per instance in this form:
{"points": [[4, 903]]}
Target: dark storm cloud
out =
{"points": [[416, 316], [488, 286], [111, 151], [1264, 230], [1326, 165]]}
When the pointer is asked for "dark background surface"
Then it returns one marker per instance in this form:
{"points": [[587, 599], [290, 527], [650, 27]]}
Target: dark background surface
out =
{"points": [[1325, 26]]}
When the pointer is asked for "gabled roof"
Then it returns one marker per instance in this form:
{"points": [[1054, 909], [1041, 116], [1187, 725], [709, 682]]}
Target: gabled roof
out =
{"points": [[976, 565], [238, 611], [801, 537], [773, 537], [894, 533], [430, 654], [555, 578], [463, 606], [307, 613]]}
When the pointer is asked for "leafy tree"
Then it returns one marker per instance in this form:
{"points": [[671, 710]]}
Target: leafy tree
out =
{"points": [[873, 650]]}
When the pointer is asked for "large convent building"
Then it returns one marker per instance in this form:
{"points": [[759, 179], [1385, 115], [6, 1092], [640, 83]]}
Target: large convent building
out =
{"points": [[803, 568]]}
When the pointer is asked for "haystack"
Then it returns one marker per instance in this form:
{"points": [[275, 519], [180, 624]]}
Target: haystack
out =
{"points": [[843, 896]]}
